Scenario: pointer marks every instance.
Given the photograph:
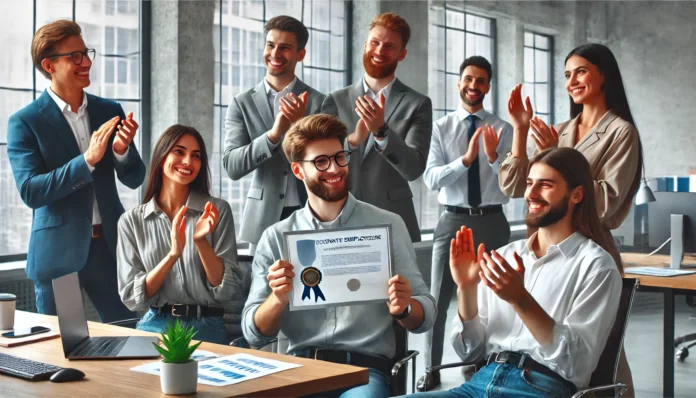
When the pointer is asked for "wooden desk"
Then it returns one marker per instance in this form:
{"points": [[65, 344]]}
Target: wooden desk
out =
{"points": [[669, 287], [113, 377]]}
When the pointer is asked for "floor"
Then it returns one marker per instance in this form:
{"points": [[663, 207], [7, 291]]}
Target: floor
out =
{"points": [[643, 346]]}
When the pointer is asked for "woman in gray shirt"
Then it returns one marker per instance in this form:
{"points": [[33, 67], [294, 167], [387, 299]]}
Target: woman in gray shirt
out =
{"points": [[176, 252]]}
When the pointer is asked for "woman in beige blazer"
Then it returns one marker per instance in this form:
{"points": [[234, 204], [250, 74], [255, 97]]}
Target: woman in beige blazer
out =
{"points": [[601, 128]]}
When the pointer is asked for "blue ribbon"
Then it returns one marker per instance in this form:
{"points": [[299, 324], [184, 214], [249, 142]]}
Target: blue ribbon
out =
{"points": [[317, 293]]}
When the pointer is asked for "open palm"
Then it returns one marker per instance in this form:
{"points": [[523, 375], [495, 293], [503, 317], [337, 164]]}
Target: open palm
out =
{"points": [[520, 112], [464, 261]]}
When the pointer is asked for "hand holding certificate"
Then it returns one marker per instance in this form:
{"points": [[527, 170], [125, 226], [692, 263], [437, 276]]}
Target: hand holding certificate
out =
{"points": [[342, 266]]}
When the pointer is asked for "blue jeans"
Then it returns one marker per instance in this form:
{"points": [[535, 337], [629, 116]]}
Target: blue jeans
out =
{"points": [[98, 278], [506, 380], [210, 328], [376, 387]]}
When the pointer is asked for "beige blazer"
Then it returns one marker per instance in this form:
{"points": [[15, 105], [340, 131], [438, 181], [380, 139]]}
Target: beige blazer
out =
{"points": [[612, 148]]}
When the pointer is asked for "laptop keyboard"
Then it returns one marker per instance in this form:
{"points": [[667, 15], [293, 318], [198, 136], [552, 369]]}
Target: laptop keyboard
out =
{"points": [[100, 347]]}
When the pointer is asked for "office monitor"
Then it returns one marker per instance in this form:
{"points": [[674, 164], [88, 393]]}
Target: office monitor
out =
{"points": [[673, 214]]}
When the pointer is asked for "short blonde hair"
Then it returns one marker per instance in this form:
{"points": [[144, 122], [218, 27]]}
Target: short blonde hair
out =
{"points": [[395, 23], [309, 129], [48, 37]]}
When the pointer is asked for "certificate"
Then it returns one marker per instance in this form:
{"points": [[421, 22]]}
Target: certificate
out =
{"points": [[339, 266]]}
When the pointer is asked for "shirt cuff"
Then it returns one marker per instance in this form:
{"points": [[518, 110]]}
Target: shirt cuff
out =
{"points": [[496, 165], [224, 291], [139, 291], [271, 146], [251, 333], [91, 168], [382, 144], [515, 161], [122, 159], [558, 346], [429, 313]]}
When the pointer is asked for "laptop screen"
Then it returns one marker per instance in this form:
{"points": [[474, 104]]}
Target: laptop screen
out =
{"points": [[71, 313]]}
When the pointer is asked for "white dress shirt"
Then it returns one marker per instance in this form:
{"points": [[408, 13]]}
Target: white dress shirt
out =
{"points": [[445, 170], [577, 283], [79, 124], [292, 198]]}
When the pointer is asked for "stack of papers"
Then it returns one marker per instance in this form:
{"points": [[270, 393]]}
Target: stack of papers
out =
{"points": [[655, 271], [223, 371]]}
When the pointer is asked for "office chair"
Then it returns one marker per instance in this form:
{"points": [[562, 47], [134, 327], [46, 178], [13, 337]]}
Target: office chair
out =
{"points": [[399, 364], [683, 352], [603, 379]]}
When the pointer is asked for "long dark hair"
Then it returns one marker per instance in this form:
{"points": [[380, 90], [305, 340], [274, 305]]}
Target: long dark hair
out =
{"points": [[575, 169], [614, 93], [164, 145]]}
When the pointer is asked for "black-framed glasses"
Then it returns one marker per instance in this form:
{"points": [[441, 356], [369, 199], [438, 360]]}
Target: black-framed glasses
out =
{"points": [[78, 56], [323, 162]]}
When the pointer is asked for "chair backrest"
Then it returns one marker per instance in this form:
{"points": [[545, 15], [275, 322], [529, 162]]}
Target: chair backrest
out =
{"points": [[398, 382], [605, 372], [233, 308]]}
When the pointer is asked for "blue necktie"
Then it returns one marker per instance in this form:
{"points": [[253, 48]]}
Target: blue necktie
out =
{"points": [[473, 173]]}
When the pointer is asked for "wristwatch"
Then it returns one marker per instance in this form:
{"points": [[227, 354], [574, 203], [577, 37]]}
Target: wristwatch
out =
{"points": [[404, 314], [381, 132]]}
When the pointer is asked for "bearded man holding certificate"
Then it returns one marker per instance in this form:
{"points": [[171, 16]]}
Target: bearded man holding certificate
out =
{"points": [[359, 334]]}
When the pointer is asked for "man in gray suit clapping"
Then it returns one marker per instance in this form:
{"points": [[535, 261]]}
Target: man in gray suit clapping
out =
{"points": [[256, 123], [391, 124]]}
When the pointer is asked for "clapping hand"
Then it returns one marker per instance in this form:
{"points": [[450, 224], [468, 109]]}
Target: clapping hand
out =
{"points": [[464, 260], [126, 133], [520, 115], [543, 136], [206, 224]]}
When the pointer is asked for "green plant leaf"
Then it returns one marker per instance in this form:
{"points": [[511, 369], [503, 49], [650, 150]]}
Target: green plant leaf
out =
{"points": [[176, 338]]}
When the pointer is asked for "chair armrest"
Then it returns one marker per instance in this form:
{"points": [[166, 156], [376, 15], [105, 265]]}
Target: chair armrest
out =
{"points": [[619, 389], [241, 342], [131, 323], [411, 355], [449, 365]]}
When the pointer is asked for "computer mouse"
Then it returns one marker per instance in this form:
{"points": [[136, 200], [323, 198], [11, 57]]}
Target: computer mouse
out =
{"points": [[67, 374]]}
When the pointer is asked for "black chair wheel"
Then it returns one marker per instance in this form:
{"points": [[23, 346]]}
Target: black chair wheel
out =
{"points": [[682, 354]]}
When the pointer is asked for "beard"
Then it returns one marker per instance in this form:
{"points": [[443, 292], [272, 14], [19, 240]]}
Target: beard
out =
{"points": [[378, 72], [551, 216], [467, 101], [328, 194]]}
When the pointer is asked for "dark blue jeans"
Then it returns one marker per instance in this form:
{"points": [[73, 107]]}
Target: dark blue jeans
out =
{"points": [[98, 278], [210, 328], [506, 381]]}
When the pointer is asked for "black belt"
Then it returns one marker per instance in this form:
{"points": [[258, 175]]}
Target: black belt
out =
{"points": [[524, 361], [478, 211], [350, 358], [97, 231], [189, 310]]}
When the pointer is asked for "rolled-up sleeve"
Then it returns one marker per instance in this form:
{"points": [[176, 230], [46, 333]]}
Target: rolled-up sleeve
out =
{"points": [[131, 271], [405, 265], [512, 176], [259, 291], [578, 341], [469, 338], [225, 246]]}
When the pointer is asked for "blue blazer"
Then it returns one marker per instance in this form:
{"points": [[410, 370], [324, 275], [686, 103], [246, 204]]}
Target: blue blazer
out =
{"points": [[54, 180]]}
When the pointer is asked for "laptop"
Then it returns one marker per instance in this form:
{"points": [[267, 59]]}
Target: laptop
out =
{"points": [[75, 335]]}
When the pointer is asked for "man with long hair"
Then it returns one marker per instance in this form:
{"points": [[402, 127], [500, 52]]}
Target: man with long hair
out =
{"points": [[390, 124], [538, 312]]}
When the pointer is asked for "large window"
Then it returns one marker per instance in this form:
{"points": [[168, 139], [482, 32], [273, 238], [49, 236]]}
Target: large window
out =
{"points": [[239, 44], [538, 50], [109, 26]]}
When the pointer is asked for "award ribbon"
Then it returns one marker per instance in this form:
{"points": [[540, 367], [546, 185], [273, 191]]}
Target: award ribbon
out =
{"points": [[311, 277]]}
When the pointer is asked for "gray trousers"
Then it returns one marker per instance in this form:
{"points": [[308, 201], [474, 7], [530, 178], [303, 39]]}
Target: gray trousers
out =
{"points": [[493, 230]]}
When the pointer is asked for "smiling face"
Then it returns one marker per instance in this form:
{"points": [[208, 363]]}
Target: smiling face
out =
{"points": [[63, 70], [584, 81], [383, 52], [473, 85], [183, 162], [280, 54], [331, 184], [547, 196]]}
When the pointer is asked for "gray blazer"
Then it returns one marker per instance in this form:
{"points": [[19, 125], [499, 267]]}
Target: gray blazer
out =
{"points": [[249, 117], [381, 178]]}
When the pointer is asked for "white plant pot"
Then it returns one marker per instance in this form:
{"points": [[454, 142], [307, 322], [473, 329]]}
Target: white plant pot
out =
{"points": [[179, 378]]}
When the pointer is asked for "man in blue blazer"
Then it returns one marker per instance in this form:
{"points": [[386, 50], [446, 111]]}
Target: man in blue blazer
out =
{"points": [[64, 148]]}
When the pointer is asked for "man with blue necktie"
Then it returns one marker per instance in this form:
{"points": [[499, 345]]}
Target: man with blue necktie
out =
{"points": [[466, 150], [64, 149]]}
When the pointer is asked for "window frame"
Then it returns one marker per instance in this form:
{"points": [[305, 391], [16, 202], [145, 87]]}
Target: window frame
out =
{"points": [[549, 72]]}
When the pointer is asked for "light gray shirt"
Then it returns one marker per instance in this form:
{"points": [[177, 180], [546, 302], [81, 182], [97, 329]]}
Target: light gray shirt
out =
{"points": [[577, 283], [364, 328], [144, 240], [445, 170]]}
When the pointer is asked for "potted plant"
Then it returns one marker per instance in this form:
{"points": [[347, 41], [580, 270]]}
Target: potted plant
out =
{"points": [[178, 373]]}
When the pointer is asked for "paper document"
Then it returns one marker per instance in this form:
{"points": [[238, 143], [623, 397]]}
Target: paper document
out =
{"points": [[339, 266], [655, 271], [230, 369]]}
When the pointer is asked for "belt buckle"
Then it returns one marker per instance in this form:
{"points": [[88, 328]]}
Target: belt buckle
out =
{"points": [[176, 313], [476, 212], [493, 358]]}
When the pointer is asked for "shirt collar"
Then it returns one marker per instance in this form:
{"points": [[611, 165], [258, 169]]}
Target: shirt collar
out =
{"points": [[342, 218], [271, 90], [62, 105], [566, 247], [386, 90], [196, 201], [463, 113]]}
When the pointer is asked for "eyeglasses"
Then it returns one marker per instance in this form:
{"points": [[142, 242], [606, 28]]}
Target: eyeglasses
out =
{"points": [[323, 162], [78, 56]]}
